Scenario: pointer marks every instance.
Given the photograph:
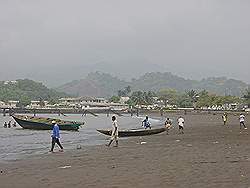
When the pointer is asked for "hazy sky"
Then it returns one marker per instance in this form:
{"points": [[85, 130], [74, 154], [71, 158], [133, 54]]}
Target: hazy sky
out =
{"points": [[60, 40]]}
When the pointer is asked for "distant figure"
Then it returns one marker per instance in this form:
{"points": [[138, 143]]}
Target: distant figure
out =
{"points": [[242, 121], [55, 137], [224, 118], [114, 135], [146, 124], [168, 124], [5, 124], [9, 124], [181, 125], [14, 124]]}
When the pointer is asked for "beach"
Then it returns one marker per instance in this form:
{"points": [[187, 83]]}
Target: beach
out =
{"points": [[207, 155]]}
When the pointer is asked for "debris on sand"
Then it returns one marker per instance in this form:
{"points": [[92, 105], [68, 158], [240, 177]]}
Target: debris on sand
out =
{"points": [[64, 167]]}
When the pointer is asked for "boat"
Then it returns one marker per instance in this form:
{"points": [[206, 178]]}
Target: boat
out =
{"points": [[41, 123], [134, 132]]}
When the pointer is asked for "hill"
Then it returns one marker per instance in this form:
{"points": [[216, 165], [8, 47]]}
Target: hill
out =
{"points": [[25, 90], [95, 84], [102, 84]]}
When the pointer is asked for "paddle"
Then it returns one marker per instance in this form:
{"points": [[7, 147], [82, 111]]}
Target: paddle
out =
{"points": [[90, 112]]}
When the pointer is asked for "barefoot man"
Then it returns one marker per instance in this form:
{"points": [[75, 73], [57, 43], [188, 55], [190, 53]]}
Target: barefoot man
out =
{"points": [[168, 124], [114, 135], [242, 121], [224, 118], [181, 125]]}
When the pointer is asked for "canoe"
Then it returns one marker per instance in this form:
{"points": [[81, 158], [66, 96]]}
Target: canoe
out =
{"points": [[134, 132], [41, 123]]}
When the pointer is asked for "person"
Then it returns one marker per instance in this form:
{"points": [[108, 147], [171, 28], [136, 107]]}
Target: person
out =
{"points": [[242, 121], [181, 124], [114, 135], [55, 137], [14, 124], [5, 124], [145, 123], [9, 124], [224, 118], [168, 124]]}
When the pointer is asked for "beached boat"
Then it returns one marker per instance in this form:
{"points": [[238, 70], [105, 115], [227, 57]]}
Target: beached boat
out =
{"points": [[41, 123], [134, 132]]}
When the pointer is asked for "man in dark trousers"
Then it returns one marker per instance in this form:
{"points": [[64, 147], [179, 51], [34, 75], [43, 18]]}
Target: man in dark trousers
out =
{"points": [[55, 137]]}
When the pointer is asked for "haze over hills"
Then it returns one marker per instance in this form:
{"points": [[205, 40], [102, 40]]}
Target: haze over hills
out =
{"points": [[105, 85]]}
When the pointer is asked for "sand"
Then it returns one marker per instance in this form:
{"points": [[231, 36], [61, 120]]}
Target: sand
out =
{"points": [[207, 155]]}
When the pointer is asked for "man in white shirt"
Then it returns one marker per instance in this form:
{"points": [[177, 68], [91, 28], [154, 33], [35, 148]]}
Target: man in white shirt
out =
{"points": [[114, 135], [181, 125], [242, 121]]}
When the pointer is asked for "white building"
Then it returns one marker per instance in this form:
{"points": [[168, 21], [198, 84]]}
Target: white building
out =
{"points": [[83, 102], [12, 104], [38, 104], [123, 100], [2, 104]]}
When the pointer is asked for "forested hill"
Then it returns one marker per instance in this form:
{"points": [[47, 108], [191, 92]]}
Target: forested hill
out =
{"points": [[102, 84], [26, 90], [95, 84]]}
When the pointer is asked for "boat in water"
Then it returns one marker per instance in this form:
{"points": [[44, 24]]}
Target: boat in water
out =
{"points": [[42, 123], [134, 132]]}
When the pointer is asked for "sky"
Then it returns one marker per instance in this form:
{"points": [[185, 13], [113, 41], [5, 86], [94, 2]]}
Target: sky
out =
{"points": [[56, 41]]}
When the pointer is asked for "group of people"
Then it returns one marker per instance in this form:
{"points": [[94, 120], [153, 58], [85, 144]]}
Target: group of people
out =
{"points": [[241, 119], [8, 125], [145, 123], [168, 124], [180, 121]]}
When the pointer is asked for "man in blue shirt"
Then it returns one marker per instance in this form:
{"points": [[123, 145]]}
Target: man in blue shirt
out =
{"points": [[146, 124], [55, 137]]}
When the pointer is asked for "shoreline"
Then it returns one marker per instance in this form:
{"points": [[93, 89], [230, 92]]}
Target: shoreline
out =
{"points": [[207, 155]]}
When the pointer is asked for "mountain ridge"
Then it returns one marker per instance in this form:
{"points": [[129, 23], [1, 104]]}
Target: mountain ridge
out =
{"points": [[101, 84]]}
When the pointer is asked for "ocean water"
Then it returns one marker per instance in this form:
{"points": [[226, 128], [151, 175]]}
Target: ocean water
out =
{"points": [[18, 143]]}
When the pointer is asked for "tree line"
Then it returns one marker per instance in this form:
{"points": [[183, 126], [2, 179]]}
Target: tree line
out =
{"points": [[170, 97]]}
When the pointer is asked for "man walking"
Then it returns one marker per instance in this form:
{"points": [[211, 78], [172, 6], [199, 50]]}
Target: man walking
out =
{"points": [[181, 125], [242, 121], [114, 135], [168, 124], [55, 137], [224, 118]]}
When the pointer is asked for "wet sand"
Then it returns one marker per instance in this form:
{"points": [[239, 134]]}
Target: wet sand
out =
{"points": [[207, 155]]}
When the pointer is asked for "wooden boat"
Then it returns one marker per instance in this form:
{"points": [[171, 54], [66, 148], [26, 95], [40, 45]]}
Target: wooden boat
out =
{"points": [[134, 132], [41, 123]]}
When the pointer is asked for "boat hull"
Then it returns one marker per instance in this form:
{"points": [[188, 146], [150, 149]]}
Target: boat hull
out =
{"points": [[138, 132], [43, 126]]}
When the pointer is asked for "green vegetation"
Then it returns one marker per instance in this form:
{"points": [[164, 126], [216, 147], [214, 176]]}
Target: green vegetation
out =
{"points": [[247, 97], [192, 98], [115, 99], [26, 90], [141, 98]]}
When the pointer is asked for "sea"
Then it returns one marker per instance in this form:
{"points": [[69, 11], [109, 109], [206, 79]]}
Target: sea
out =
{"points": [[18, 143]]}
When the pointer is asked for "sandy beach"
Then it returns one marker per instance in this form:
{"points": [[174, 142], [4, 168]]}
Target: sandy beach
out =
{"points": [[207, 155]]}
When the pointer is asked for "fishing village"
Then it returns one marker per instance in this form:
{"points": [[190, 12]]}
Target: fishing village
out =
{"points": [[124, 94], [157, 146]]}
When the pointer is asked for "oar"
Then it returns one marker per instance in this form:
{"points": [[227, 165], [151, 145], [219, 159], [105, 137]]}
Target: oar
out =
{"points": [[90, 112]]}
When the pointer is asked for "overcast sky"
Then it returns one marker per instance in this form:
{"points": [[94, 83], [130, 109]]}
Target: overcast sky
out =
{"points": [[56, 41]]}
